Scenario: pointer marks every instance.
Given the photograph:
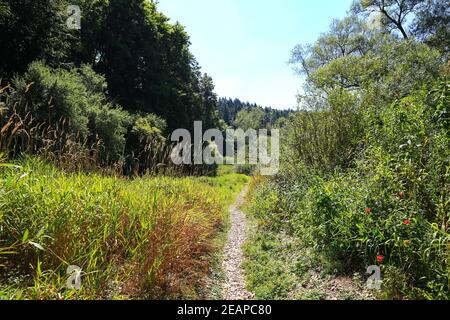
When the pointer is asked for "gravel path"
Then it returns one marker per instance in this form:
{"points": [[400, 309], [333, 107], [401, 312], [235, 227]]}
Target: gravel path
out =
{"points": [[234, 286]]}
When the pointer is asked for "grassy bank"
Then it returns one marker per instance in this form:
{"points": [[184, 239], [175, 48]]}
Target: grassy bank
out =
{"points": [[152, 237], [282, 262]]}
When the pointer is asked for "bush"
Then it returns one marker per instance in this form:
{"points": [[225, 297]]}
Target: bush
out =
{"points": [[326, 138], [108, 125], [72, 105], [51, 95], [389, 207], [146, 148]]}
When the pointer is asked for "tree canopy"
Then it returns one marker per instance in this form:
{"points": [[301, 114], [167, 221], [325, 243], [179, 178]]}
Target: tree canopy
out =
{"points": [[144, 58]]}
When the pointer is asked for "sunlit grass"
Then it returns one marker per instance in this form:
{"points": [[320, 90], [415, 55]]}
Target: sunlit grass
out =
{"points": [[151, 237]]}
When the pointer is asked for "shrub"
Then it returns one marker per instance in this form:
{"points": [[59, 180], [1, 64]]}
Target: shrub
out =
{"points": [[108, 124], [326, 138], [246, 169], [146, 144], [72, 105], [389, 208]]}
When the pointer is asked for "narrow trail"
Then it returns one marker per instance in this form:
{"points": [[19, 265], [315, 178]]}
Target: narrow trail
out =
{"points": [[234, 286]]}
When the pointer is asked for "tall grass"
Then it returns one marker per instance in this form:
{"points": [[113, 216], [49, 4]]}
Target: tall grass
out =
{"points": [[141, 238], [21, 132]]}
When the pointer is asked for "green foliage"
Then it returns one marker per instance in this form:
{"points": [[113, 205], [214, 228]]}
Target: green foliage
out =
{"points": [[108, 124], [390, 70], [283, 259], [145, 59], [5, 12], [146, 62], [41, 35], [246, 169], [266, 207], [424, 20], [324, 139], [250, 119], [393, 202], [432, 24], [146, 147], [141, 238], [269, 258], [149, 127], [266, 267], [328, 133], [74, 101], [347, 37], [393, 13], [230, 108], [51, 95], [365, 166]]}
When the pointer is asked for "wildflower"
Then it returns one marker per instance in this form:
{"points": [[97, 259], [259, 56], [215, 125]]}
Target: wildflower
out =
{"points": [[368, 210], [401, 195], [407, 243], [380, 259], [406, 222]]}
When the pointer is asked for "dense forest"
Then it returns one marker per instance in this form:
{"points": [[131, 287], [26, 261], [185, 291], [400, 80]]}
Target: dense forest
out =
{"points": [[234, 112], [86, 181]]}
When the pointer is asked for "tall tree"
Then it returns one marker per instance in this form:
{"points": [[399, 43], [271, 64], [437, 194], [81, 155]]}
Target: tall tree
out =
{"points": [[347, 37], [432, 24], [145, 59], [251, 119], [362, 61], [394, 13], [33, 30]]}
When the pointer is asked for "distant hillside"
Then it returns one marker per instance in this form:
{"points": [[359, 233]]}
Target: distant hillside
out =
{"points": [[230, 108]]}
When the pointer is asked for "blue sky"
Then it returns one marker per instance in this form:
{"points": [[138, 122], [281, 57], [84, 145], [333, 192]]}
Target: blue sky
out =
{"points": [[245, 44]]}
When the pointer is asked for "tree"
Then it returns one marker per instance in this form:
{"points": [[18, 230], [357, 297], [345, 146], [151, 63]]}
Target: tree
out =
{"points": [[347, 37], [394, 13], [230, 108], [251, 119], [146, 61], [33, 30], [73, 104], [354, 58], [208, 110], [432, 24], [349, 71], [142, 81]]}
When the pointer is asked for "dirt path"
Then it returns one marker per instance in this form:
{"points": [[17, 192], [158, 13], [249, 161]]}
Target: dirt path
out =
{"points": [[234, 286]]}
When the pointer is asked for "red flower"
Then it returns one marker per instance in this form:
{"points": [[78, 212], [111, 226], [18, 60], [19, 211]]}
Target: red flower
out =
{"points": [[406, 222], [401, 195], [380, 258], [368, 210]]}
